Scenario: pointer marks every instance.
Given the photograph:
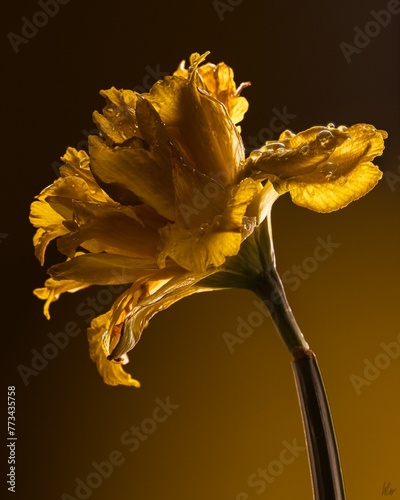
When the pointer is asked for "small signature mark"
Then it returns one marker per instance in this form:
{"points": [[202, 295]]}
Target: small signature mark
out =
{"points": [[387, 489]]}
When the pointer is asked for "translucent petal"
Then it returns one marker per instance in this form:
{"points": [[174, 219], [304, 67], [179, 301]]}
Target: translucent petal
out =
{"points": [[326, 196], [53, 289], [111, 371], [160, 298]]}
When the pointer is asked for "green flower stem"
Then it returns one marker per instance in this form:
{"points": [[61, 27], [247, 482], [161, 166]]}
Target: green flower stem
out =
{"points": [[322, 448], [270, 290]]}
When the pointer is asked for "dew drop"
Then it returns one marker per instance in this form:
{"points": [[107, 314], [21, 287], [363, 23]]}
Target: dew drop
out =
{"points": [[341, 181], [304, 149], [280, 151], [370, 129], [202, 228], [331, 125], [325, 138], [328, 170], [275, 145]]}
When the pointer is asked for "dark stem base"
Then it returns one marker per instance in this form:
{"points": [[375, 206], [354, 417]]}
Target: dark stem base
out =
{"points": [[318, 427]]}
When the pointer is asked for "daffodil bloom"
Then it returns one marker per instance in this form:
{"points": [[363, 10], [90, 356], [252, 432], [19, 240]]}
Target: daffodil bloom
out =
{"points": [[167, 204]]}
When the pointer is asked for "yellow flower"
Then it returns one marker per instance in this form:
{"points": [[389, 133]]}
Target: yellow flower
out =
{"points": [[165, 199]]}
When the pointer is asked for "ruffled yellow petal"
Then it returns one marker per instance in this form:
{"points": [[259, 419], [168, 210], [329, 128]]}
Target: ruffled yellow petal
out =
{"points": [[118, 122], [198, 124], [199, 246], [49, 225], [55, 203], [326, 197], [53, 289], [323, 168], [218, 81], [111, 371]]}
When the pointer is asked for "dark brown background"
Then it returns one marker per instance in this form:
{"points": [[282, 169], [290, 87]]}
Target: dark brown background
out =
{"points": [[235, 410]]}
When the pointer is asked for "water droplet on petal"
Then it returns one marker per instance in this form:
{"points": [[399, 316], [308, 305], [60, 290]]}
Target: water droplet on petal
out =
{"points": [[280, 151], [341, 181], [331, 125], [304, 149], [370, 129], [202, 228], [275, 145], [325, 138]]}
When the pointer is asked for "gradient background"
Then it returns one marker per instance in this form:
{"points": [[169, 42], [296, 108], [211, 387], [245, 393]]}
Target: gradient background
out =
{"points": [[235, 410]]}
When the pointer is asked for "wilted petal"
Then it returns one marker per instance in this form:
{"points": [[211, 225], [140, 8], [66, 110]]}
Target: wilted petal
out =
{"points": [[76, 183], [118, 121], [158, 299], [111, 371], [53, 289], [49, 224]]}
